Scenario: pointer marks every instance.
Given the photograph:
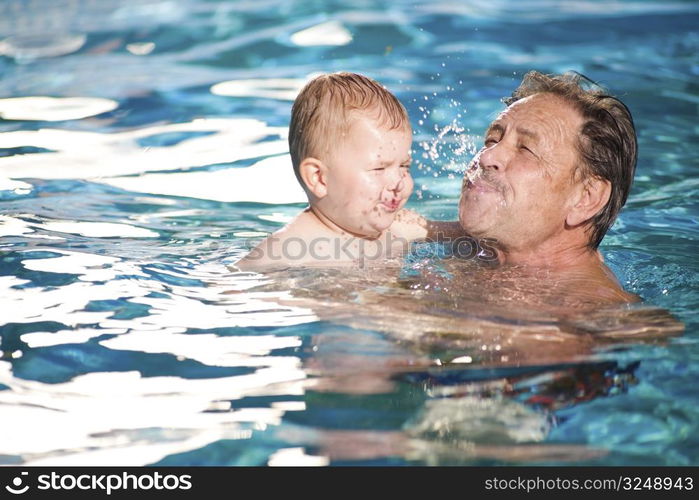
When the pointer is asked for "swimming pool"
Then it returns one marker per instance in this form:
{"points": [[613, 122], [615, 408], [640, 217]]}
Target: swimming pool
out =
{"points": [[143, 150]]}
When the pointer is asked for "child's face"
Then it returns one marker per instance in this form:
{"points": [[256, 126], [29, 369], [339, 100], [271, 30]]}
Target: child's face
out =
{"points": [[368, 177]]}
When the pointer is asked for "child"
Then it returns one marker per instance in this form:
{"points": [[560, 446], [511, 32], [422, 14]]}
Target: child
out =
{"points": [[350, 143]]}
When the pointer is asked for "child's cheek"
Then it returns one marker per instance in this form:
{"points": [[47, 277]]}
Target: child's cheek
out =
{"points": [[408, 185], [372, 184]]}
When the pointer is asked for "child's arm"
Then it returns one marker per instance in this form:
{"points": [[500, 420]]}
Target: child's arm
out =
{"points": [[413, 226]]}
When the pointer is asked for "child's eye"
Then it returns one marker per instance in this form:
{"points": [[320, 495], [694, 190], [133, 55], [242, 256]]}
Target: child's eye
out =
{"points": [[379, 169], [405, 166]]}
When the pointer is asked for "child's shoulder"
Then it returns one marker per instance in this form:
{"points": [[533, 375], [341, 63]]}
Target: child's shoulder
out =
{"points": [[280, 248]]}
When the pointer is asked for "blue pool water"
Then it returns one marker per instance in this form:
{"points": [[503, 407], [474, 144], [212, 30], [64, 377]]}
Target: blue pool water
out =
{"points": [[143, 150]]}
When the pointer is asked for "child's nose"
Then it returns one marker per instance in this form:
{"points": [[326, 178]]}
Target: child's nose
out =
{"points": [[397, 180]]}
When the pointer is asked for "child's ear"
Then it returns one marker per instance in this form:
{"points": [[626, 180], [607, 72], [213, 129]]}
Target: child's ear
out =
{"points": [[313, 174], [591, 197]]}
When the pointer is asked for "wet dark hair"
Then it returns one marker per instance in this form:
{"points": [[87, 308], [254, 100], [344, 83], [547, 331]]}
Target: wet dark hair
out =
{"points": [[607, 142]]}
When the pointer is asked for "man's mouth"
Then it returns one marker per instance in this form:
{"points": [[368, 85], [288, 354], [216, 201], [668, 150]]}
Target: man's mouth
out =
{"points": [[481, 186]]}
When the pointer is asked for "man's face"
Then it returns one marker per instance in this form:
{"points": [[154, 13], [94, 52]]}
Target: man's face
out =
{"points": [[519, 186], [368, 178]]}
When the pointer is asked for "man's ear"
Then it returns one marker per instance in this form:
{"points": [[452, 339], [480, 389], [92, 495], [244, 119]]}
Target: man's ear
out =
{"points": [[313, 174], [591, 198]]}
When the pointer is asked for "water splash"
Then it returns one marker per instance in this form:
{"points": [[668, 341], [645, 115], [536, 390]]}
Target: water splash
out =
{"points": [[448, 148]]}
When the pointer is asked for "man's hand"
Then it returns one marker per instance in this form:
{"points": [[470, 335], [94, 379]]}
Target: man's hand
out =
{"points": [[409, 225], [414, 227]]}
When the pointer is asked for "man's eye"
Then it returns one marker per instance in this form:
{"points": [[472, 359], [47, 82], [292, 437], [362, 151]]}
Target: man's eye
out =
{"points": [[525, 148], [489, 142]]}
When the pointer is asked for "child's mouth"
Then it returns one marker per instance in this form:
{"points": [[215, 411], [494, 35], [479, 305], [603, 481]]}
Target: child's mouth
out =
{"points": [[391, 205]]}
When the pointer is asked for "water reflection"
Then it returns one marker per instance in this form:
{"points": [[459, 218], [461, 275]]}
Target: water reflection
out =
{"points": [[463, 411], [30, 47], [53, 108], [126, 336], [488, 370], [329, 33], [275, 88], [139, 417], [127, 419], [459, 309]]}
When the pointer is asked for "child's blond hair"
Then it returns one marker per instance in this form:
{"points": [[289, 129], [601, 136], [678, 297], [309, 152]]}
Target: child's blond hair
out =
{"points": [[322, 113]]}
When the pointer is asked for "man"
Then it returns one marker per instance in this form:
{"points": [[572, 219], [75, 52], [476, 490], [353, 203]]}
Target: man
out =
{"points": [[555, 169]]}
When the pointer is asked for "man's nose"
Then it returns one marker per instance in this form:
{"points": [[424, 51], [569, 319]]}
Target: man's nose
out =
{"points": [[494, 157]]}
